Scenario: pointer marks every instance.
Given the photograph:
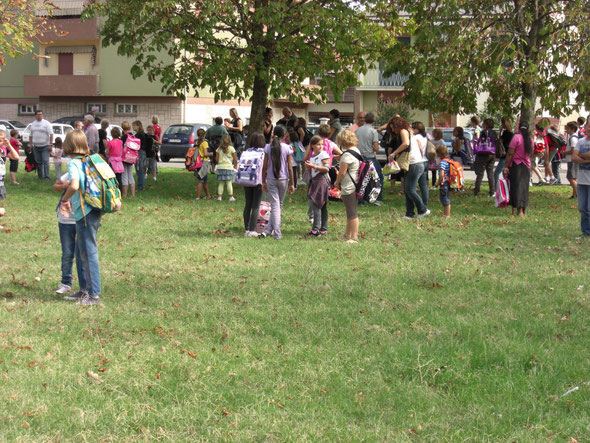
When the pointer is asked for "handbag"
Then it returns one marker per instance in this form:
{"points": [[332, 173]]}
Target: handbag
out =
{"points": [[486, 146], [403, 160], [430, 151], [391, 167], [500, 148]]}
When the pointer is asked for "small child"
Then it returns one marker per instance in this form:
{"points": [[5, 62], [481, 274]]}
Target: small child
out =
{"points": [[150, 154], [319, 186], [437, 140], [14, 163], [6, 152], [444, 170], [57, 153], [227, 163]]}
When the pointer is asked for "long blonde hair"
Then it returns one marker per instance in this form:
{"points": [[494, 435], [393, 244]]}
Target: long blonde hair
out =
{"points": [[225, 143], [76, 143]]}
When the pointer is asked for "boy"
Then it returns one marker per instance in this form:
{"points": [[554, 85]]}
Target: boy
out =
{"points": [[150, 152], [14, 163], [444, 170]]}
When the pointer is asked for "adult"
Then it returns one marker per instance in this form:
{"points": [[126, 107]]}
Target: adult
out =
{"points": [[422, 138], [506, 135], [335, 126], [302, 132], [485, 162], [572, 167], [127, 180], [390, 142], [140, 166], [235, 129], [268, 126], [91, 132], [102, 138], [78, 124], [581, 156], [289, 119], [41, 140], [359, 121], [368, 145], [349, 166], [253, 194], [518, 168], [213, 136], [401, 127]]}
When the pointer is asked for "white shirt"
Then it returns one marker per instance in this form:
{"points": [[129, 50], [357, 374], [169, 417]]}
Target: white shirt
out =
{"points": [[41, 131], [417, 156], [571, 144]]}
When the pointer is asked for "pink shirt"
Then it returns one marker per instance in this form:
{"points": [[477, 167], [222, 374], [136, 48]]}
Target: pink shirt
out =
{"points": [[114, 147], [520, 155]]}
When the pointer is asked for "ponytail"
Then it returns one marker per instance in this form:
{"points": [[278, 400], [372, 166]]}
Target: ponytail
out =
{"points": [[526, 138], [275, 150]]}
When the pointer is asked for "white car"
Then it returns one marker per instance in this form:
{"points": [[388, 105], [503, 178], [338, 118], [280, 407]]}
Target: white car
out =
{"points": [[109, 138], [13, 124], [59, 130]]}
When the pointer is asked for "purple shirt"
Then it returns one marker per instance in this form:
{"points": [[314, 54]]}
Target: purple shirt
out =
{"points": [[520, 155], [284, 171]]}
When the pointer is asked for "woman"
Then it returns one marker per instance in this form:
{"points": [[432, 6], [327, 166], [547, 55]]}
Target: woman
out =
{"points": [[484, 162], [401, 127], [517, 168], [506, 135], [235, 129], [277, 179], [349, 166], [253, 194], [127, 180], [141, 163], [390, 142], [303, 133], [268, 127], [420, 135]]}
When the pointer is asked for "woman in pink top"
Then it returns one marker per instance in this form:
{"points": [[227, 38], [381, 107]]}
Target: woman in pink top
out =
{"points": [[518, 168], [114, 151]]}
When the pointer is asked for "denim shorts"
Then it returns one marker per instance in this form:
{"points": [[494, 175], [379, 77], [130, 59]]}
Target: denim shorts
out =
{"points": [[444, 195]]}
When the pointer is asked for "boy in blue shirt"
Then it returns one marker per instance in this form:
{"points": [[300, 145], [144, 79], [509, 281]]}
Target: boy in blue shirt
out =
{"points": [[444, 170]]}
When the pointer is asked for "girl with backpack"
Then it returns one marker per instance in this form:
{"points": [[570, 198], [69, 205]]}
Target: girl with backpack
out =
{"points": [[277, 179], [227, 163], [253, 194], [349, 167], [202, 173], [127, 180], [7, 152], [518, 166], [319, 186], [87, 220], [114, 151]]}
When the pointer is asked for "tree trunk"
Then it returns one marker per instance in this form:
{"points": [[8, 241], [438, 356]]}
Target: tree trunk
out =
{"points": [[527, 105], [259, 102]]}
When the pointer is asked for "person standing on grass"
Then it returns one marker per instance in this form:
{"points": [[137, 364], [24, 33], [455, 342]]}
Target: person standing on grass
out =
{"points": [[444, 173], [277, 179], [581, 156], [151, 158], [572, 167], [7, 152], [56, 154], [114, 151], [349, 168], [202, 173], [506, 135], [14, 163], [140, 166], [335, 125], [91, 132], [518, 167], [41, 140], [127, 180], [422, 137], [319, 186], [102, 138], [368, 145], [268, 126], [87, 221], [434, 165], [485, 162], [227, 163], [253, 194]]}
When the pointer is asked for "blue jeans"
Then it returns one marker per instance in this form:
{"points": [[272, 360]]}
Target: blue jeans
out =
{"points": [[140, 170], [379, 172], [276, 194], [67, 236], [423, 183], [41, 154], [584, 207], [87, 253], [499, 170], [412, 198]]}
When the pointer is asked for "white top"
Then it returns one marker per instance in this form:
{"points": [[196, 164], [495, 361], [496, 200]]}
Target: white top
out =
{"points": [[41, 132], [346, 185], [317, 160], [415, 155], [571, 143]]}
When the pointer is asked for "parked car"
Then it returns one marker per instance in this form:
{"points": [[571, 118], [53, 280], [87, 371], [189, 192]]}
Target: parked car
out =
{"points": [[59, 130], [70, 120], [13, 124], [178, 138], [109, 138]]}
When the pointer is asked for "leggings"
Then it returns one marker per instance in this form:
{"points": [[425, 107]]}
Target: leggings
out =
{"points": [[253, 195], [225, 183]]}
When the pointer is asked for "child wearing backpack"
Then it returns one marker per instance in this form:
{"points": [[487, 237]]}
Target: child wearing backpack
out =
{"points": [[7, 152], [14, 163], [227, 163], [127, 180], [87, 220], [202, 173], [444, 180], [56, 154], [319, 186]]}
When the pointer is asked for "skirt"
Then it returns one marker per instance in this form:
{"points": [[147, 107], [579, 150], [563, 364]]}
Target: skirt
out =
{"points": [[225, 174], [519, 185]]}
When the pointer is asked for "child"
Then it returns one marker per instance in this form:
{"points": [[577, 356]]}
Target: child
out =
{"points": [[572, 167], [319, 186], [87, 221], [57, 153], [6, 152], [444, 170], [14, 163], [150, 152], [114, 151], [298, 152], [227, 163], [277, 179], [437, 141], [67, 236], [349, 167], [202, 173]]}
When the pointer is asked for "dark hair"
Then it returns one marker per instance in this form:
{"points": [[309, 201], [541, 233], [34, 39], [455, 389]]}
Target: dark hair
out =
{"points": [[324, 131], [570, 125], [418, 126], [460, 132], [475, 119], [275, 149], [38, 111], [335, 113], [115, 132], [14, 133], [267, 110], [370, 118], [315, 139], [302, 122], [489, 123], [257, 140], [218, 120], [58, 142], [293, 136], [523, 127], [201, 129], [581, 121]]}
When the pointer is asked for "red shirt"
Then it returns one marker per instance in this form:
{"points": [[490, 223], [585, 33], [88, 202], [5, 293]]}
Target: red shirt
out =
{"points": [[115, 147], [14, 143], [158, 133]]}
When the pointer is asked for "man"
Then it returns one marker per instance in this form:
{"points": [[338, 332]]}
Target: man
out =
{"points": [[213, 136], [41, 140], [368, 145], [91, 132], [359, 121], [288, 119], [335, 125]]}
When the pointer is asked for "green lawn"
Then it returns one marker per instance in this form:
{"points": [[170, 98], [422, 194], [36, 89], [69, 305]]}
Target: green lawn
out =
{"points": [[437, 330]]}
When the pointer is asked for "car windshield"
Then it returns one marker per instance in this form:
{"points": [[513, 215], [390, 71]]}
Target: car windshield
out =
{"points": [[448, 136], [179, 130], [17, 124]]}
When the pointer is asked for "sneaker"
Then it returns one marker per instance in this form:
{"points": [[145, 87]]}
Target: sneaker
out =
{"points": [[262, 235], [89, 300], [198, 198], [155, 178], [253, 234], [378, 203], [583, 237], [407, 217], [323, 232], [63, 289], [145, 177], [311, 220], [426, 214], [219, 198], [246, 233], [76, 296], [232, 199], [313, 233], [553, 181]]}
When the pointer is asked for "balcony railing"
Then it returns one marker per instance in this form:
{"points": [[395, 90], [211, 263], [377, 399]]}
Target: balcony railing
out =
{"points": [[61, 85], [374, 79], [395, 79]]}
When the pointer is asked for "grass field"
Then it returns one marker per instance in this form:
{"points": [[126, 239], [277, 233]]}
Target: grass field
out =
{"points": [[437, 330]]}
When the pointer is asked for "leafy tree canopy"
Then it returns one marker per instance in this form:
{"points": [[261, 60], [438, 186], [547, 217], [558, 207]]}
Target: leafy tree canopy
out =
{"points": [[519, 51]]}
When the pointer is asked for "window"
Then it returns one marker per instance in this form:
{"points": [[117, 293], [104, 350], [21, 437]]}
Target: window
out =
{"points": [[127, 109], [27, 109], [96, 108]]}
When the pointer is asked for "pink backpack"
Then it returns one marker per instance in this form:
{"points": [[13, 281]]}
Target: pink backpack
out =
{"points": [[131, 150], [329, 148], [263, 216], [502, 193]]}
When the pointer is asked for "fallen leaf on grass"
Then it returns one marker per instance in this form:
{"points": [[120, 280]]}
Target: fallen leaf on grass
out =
{"points": [[94, 377]]}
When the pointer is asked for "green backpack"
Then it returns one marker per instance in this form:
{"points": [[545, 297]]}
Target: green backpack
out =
{"points": [[102, 189]]}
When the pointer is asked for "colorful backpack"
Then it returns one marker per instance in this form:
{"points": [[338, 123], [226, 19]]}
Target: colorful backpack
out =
{"points": [[102, 189], [131, 150], [368, 186], [502, 197], [456, 176], [250, 168], [193, 161], [263, 216]]}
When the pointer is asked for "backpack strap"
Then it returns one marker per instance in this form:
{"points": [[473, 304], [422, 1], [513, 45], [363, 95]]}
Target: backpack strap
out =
{"points": [[359, 158]]}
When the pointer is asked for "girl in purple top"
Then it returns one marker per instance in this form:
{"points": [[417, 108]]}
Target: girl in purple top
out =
{"points": [[518, 168], [277, 177]]}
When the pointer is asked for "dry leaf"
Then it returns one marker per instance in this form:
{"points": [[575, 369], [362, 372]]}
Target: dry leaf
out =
{"points": [[94, 377]]}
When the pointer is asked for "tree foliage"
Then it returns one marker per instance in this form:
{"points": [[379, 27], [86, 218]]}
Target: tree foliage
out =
{"points": [[387, 108], [21, 26], [519, 51], [245, 49]]}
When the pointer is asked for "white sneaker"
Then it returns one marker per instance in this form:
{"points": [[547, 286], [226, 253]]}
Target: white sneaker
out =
{"points": [[145, 176], [198, 198], [155, 179], [246, 233], [232, 199], [63, 289], [426, 214], [219, 198], [253, 234]]}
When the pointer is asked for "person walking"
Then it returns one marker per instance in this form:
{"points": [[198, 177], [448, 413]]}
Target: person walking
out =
{"points": [[41, 140]]}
